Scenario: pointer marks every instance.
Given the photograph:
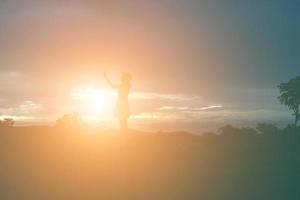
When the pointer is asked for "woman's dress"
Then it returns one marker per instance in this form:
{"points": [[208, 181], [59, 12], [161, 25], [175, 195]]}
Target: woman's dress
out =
{"points": [[122, 107]]}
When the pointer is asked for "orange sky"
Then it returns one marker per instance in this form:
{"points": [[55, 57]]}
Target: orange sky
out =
{"points": [[184, 56]]}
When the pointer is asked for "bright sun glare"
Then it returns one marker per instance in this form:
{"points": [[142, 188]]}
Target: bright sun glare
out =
{"points": [[94, 103]]}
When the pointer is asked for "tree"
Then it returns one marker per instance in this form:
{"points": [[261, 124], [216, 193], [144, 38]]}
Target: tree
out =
{"points": [[290, 96], [7, 122], [231, 130], [69, 120], [266, 128], [228, 129]]}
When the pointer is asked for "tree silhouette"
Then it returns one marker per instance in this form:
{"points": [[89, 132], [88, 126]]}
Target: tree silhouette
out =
{"points": [[290, 96], [7, 122], [69, 120], [266, 128]]}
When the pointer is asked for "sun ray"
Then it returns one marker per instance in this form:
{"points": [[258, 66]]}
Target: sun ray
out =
{"points": [[94, 103]]}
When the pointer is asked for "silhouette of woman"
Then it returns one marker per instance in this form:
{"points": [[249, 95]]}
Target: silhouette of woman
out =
{"points": [[122, 107]]}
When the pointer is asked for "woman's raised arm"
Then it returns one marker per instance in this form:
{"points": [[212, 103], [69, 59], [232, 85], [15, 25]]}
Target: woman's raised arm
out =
{"points": [[114, 86]]}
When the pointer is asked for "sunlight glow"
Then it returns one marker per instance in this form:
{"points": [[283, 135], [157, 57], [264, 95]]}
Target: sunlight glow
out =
{"points": [[94, 103]]}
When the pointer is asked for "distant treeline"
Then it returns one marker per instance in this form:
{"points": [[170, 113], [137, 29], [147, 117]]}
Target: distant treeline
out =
{"points": [[261, 128], [72, 122]]}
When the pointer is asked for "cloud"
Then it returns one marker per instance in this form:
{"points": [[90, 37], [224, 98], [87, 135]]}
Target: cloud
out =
{"points": [[211, 107], [172, 108], [159, 96], [25, 112], [27, 108]]}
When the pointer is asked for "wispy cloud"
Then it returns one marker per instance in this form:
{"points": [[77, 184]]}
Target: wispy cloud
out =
{"points": [[26, 112], [211, 107], [157, 96], [26, 108], [172, 108]]}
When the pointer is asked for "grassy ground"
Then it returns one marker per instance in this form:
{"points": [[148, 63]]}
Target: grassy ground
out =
{"points": [[49, 163]]}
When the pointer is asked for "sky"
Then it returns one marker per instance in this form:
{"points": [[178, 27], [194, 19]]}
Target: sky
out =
{"points": [[196, 65]]}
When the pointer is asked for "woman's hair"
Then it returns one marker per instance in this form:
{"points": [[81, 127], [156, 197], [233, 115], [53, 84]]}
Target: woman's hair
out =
{"points": [[126, 77]]}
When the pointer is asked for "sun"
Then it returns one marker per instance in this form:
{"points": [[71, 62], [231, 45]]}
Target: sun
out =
{"points": [[94, 102]]}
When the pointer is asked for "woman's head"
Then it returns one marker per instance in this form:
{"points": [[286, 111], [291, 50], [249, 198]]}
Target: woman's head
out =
{"points": [[126, 77]]}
